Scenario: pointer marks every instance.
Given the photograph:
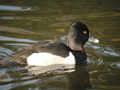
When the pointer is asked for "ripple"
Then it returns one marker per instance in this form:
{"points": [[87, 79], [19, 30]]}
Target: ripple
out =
{"points": [[16, 30], [2, 72], [3, 38], [18, 44], [14, 8], [111, 52], [93, 39], [52, 69], [7, 18], [115, 65], [107, 51], [10, 18], [5, 52]]}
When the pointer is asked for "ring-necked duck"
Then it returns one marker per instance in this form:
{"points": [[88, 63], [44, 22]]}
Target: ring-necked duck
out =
{"points": [[49, 52]]}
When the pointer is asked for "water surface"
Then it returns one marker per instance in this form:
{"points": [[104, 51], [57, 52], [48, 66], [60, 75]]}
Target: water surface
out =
{"points": [[24, 22]]}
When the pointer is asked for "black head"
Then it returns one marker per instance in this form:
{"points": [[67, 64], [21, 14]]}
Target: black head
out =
{"points": [[78, 35]]}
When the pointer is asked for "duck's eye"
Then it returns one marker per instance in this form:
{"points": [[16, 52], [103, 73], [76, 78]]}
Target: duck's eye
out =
{"points": [[84, 32]]}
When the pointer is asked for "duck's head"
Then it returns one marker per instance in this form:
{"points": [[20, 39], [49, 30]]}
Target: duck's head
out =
{"points": [[78, 35]]}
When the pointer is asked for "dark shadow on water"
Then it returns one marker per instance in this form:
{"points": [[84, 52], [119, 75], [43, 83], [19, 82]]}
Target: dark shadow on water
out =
{"points": [[79, 79]]}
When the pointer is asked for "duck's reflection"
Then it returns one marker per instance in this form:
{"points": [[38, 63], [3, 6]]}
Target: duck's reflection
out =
{"points": [[79, 79]]}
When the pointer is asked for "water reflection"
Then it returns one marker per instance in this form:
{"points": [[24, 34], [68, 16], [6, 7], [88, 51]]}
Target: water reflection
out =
{"points": [[3, 38], [115, 65], [13, 8], [8, 18], [106, 51], [5, 53], [67, 78], [79, 79]]}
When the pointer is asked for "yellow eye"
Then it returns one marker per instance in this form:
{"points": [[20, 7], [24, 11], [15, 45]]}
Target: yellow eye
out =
{"points": [[84, 32]]}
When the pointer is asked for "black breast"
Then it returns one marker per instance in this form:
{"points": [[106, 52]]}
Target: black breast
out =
{"points": [[80, 57]]}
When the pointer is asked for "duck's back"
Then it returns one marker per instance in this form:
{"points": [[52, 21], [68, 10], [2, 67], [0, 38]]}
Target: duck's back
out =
{"points": [[48, 46]]}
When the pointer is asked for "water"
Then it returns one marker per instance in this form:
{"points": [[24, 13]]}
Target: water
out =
{"points": [[23, 23]]}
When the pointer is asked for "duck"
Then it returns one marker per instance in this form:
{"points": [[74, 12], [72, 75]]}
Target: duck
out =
{"points": [[51, 52]]}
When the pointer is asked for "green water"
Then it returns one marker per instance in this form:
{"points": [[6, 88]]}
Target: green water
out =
{"points": [[25, 22]]}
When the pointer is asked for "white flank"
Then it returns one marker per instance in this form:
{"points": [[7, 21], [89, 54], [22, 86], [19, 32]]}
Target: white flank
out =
{"points": [[45, 59]]}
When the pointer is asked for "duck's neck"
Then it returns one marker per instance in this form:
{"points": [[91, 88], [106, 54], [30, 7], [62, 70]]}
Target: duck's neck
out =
{"points": [[80, 57]]}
